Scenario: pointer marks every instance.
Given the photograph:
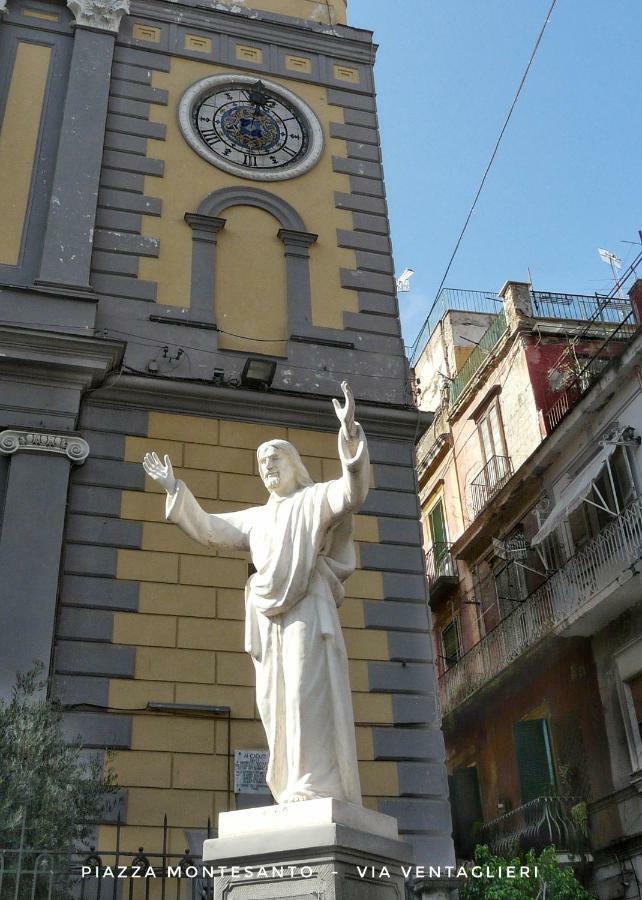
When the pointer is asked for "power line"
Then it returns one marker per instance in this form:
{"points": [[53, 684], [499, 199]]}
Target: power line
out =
{"points": [[413, 348]]}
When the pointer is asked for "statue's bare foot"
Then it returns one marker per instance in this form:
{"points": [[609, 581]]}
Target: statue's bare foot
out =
{"points": [[296, 798]]}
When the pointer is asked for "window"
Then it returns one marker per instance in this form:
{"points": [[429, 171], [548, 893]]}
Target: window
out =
{"points": [[635, 686], [439, 540], [534, 759], [451, 644], [491, 436], [510, 587]]}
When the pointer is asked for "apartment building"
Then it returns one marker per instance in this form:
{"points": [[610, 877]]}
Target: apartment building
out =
{"points": [[529, 481]]}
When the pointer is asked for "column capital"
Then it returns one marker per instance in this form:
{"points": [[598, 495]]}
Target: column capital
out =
{"points": [[199, 222], [70, 445], [102, 15], [292, 238]]}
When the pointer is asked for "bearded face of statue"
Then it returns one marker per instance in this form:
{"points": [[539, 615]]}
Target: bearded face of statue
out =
{"points": [[277, 471]]}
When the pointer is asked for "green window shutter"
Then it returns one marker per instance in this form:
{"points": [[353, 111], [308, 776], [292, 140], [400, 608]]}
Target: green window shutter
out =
{"points": [[437, 523], [534, 759]]}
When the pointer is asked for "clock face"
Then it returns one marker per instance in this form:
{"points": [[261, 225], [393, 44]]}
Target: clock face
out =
{"points": [[251, 128]]}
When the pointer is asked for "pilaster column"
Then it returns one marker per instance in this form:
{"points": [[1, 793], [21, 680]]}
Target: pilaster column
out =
{"points": [[297, 260], [31, 535], [517, 302], [67, 247], [205, 231]]}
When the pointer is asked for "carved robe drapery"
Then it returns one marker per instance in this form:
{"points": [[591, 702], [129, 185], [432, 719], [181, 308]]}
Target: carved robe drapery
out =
{"points": [[301, 546]]}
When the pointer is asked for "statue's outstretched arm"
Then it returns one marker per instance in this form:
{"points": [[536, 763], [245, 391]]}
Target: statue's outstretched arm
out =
{"points": [[347, 493], [182, 508]]}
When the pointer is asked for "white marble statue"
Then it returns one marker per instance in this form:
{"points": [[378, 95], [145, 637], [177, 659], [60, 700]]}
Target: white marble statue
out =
{"points": [[301, 545]]}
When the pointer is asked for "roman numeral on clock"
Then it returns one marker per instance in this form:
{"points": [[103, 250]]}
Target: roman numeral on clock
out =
{"points": [[250, 160]]}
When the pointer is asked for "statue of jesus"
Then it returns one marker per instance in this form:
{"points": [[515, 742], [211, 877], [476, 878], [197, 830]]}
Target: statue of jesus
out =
{"points": [[301, 546]]}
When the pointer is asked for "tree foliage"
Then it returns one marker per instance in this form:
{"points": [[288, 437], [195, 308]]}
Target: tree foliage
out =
{"points": [[43, 777], [552, 882]]}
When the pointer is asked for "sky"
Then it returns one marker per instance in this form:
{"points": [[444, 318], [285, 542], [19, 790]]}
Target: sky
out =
{"points": [[567, 177]]}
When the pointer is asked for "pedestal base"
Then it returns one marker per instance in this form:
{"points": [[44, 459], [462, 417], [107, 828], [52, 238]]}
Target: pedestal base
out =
{"points": [[310, 850]]}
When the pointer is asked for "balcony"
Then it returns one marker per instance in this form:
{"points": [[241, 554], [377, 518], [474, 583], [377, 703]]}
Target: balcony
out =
{"points": [[536, 825], [441, 571], [478, 357], [571, 601], [489, 482]]}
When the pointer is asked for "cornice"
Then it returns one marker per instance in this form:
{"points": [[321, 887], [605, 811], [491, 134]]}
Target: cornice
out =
{"points": [[396, 422], [313, 37], [79, 359]]}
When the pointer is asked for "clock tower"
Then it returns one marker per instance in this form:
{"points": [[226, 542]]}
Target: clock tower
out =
{"points": [[195, 254]]}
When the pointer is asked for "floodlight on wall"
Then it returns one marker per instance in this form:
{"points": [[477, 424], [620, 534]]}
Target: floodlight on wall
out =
{"points": [[403, 282], [258, 372]]}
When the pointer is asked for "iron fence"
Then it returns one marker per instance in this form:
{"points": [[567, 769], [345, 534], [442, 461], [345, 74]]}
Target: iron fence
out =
{"points": [[440, 562], [489, 482], [584, 307], [113, 873], [538, 824], [558, 601]]}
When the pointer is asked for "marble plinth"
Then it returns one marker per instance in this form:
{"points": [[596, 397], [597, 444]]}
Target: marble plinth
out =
{"points": [[309, 850]]}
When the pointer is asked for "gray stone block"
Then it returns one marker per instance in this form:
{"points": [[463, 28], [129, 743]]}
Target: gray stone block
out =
{"points": [[82, 559], [114, 419], [434, 851], [74, 690], [140, 245], [422, 779], [408, 743], [143, 76], [361, 203], [101, 530], [410, 646], [395, 452], [122, 181], [112, 732], [395, 614], [117, 220], [122, 106], [382, 345], [366, 281], [363, 240], [75, 623], [91, 499], [145, 58], [399, 531], [132, 125], [404, 587], [360, 117], [111, 473], [394, 477], [375, 262], [136, 91], [370, 186], [367, 222], [102, 443], [418, 815], [391, 503], [355, 166], [122, 286], [148, 206], [131, 162], [351, 100], [125, 143], [401, 678], [93, 658], [105, 593], [114, 264], [421, 710], [355, 133], [365, 151], [384, 304], [388, 325], [391, 558]]}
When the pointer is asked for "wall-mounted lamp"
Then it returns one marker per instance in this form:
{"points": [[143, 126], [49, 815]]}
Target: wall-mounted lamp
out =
{"points": [[258, 373]]}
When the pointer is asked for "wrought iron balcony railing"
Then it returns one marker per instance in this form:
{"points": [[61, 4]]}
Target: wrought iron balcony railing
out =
{"points": [[477, 358], [584, 307], [439, 562], [584, 576], [489, 482], [538, 824]]}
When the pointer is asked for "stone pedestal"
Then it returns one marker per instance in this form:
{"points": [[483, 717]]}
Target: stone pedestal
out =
{"points": [[309, 850]]}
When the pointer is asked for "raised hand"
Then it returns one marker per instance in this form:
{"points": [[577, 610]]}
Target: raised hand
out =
{"points": [[345, 414], [160, 472]]}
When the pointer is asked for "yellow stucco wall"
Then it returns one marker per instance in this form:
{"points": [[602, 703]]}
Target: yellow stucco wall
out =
{"points": [[188, 179], [18, 141], [188, 632]]}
